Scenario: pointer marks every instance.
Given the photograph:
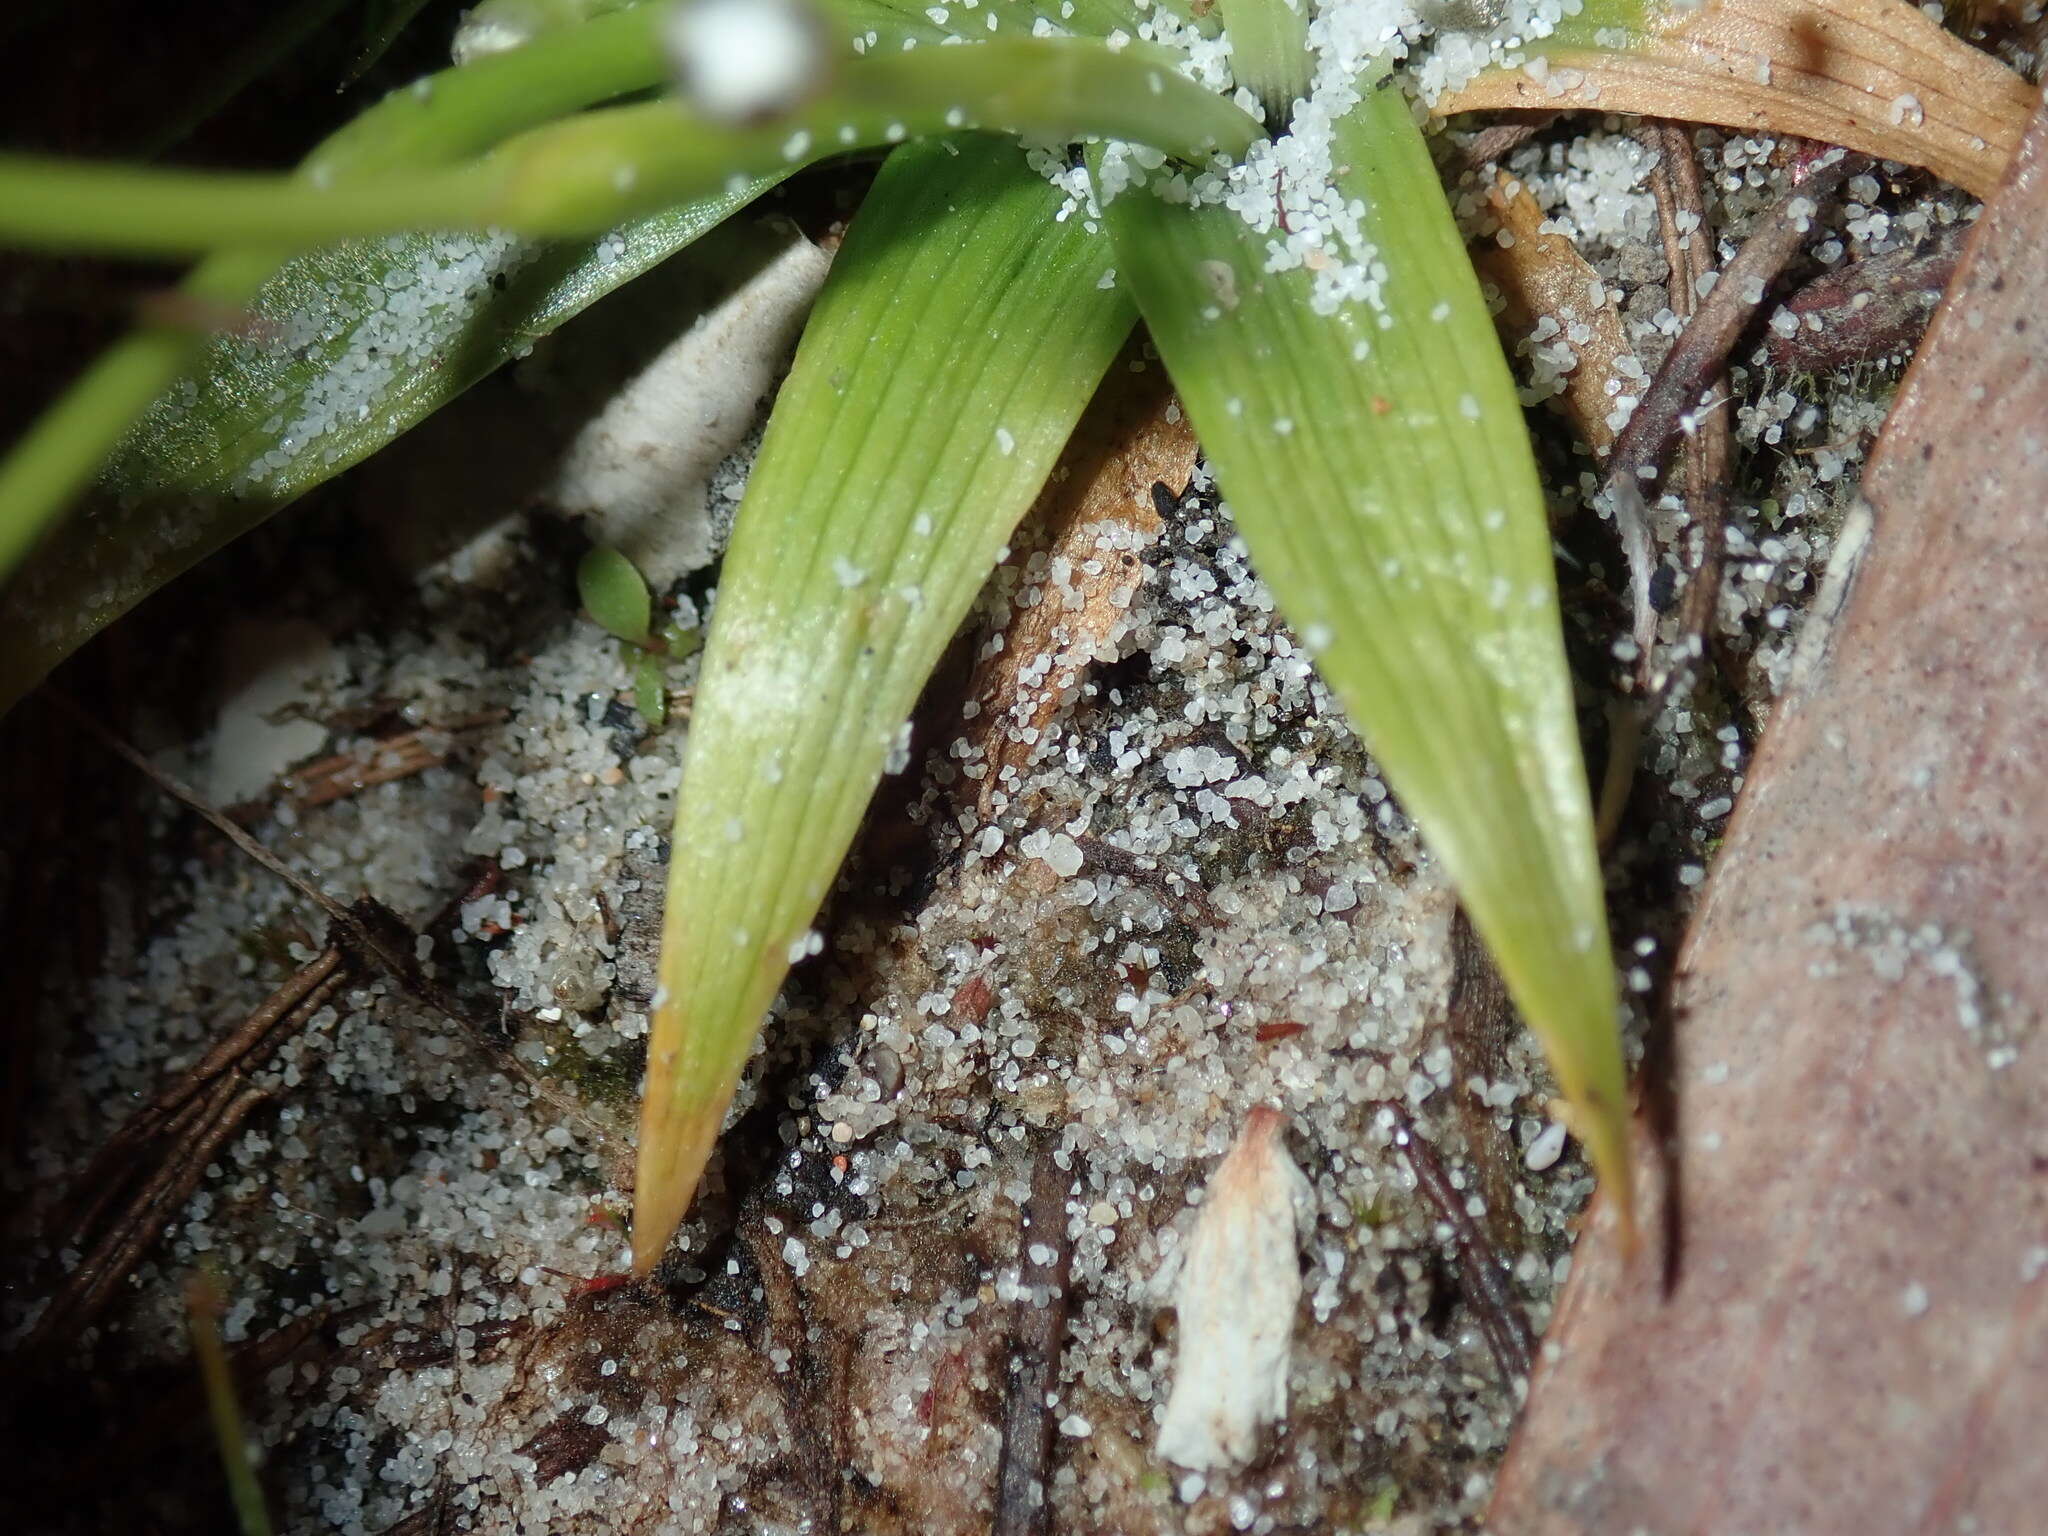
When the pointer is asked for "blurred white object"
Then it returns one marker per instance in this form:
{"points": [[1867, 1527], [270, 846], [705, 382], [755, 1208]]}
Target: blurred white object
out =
{"points": [[1238, 1287], [739, 61]]}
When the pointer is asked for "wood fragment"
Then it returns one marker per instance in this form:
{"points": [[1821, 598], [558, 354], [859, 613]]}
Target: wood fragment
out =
{"points": [[1708, 446], [136, 1184], [368, 926], [1497, 140], [1868, 311], [382, 762], [1541, 274], [1038, 1334], [1479, 1021], [174, 1109], [1676, 400], [807, 1383], [1236, 1296], [89, 1288], [1096, 517]]}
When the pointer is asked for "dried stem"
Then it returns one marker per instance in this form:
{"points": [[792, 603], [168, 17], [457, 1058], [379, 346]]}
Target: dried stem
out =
{"points": [[1674, 401], [1038, 1333], [1493, 1301], [369, 926]]}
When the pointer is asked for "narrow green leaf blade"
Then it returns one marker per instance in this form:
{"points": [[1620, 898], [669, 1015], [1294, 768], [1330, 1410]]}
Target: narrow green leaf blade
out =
{"points": [[1378, 466], [586, 173], [1269, 51], [957, 340]]}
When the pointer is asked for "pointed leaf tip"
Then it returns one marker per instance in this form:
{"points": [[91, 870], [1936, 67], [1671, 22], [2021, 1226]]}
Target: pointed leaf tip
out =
{"points": [[908, 441], [1374, 455]]}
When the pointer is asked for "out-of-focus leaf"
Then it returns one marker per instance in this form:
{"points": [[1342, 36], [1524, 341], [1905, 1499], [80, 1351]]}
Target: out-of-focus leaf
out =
{"points": [[1377, 463], [92, 574], [590, 171], [615, 594], [650, 692], [349, 347], [1875, 75], [203, 1306], [1269, 51], [958, 337]]}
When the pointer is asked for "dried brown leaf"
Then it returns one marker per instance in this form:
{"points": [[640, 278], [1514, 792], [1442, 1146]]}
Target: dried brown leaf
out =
{"points": [[1873, 75]]}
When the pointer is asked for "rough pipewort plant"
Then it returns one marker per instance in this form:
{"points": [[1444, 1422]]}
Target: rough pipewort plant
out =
{"points": [[1307, 291]]}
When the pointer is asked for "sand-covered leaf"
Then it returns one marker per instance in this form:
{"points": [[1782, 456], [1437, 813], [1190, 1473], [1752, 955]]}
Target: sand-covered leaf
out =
{"points": [[322, 360], [1361, 420], [348, 348], [955, 344]]}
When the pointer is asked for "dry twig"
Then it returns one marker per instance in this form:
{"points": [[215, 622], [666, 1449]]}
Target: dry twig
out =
{"points": [[1038, 1333], [1676, 186], [1867, 311], [368, 926], [383, 762], [151, 1166], [1674, 401], [1493, 1301]]}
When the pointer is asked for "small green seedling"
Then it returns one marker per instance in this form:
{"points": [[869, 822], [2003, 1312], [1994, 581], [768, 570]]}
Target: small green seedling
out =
{"points": [[615, 595]]}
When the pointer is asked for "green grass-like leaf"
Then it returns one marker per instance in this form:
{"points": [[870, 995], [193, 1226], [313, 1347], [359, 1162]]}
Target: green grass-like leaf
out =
{"points": [[203, 1304], [957, 340], [1379, 469], [1269, 51]]}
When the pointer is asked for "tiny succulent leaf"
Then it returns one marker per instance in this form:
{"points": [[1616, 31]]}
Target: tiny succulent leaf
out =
{"points": [[1375, 458], [615, 594], [959, 336]]}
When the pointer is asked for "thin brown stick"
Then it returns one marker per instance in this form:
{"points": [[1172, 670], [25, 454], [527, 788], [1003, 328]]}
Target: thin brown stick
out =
{"points": [[1673, 402], [370, 926], [807, 1385], [210, 1108], [1708, 448], [1868, 310], [384, 762], [1494, 1304], [1038, 1334], [1497, 140], [1479, 1019], [92, 1285], [180, 1104]]}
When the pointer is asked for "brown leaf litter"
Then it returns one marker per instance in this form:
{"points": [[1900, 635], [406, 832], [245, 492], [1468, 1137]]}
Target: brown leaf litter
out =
{"points": [[1872, 75]]}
